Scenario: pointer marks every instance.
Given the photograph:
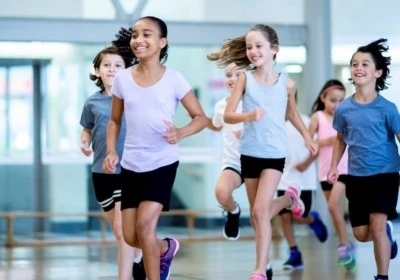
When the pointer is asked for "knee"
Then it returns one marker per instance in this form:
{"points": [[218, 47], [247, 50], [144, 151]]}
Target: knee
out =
{"points": [[221, 194], [361, 236], [129, 239], [333, 207], [286, 217], [143, 229], [259, 215], [377, 231]]}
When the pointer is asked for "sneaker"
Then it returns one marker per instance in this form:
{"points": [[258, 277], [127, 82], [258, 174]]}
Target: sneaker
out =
{"points": [[138, 272], [231, 230], [269, 273], [345, 254], [297, 206], [351, 267], [318, 227], [393, 243], [257, 276], [167, 257], [294, 261]]}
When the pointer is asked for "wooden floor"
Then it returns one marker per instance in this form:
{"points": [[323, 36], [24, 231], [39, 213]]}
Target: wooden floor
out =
{"points": [[210, 260]]}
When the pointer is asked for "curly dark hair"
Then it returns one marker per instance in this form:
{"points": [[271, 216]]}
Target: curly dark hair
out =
{"points": [[98, 59], [376, 50], [123, 38]]}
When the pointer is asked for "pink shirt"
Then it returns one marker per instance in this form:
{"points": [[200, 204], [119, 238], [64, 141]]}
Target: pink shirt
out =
{"points": [[145, 110], [326, 130]]}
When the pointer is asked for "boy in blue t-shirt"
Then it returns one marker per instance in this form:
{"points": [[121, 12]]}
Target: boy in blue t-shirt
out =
{"points": [[367, 123]]}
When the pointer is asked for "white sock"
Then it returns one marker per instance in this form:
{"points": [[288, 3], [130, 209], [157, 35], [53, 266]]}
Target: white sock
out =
{"points": [[236, 211], [137, 259], [268, 266]]}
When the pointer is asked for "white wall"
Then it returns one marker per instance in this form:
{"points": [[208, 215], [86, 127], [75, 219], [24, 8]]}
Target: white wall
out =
{"points": [[357, 21], [41, 8]]}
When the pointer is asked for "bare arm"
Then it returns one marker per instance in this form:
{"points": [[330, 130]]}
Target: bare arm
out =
{"points": [[293, 116], [86, 140], [230, 115], [313, 128], [86, 136], [338, 149], [211, 126], [305, 164], [198, 122], [113, 130], [398, 137], [114, 124]]}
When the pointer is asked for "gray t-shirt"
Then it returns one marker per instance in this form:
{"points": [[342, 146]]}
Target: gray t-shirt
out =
{"points": [[369, 132], [95, 116]]}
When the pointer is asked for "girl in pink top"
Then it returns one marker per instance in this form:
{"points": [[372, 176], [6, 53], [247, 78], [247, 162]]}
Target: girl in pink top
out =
{"points": [[331, 94]]}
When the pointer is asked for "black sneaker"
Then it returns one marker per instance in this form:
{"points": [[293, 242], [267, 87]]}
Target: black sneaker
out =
{"points": [[231, 230], [138, 272], [269, 273]]}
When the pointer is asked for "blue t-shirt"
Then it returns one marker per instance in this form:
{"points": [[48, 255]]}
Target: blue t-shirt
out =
{"points": [[95, 116], [369, 132]]}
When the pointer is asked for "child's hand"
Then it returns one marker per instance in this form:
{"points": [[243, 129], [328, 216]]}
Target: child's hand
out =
{"points": [[333, 175], [110, 163], [257, 113], [172, 133], [238, 133], [85, 148], [313, 147]]}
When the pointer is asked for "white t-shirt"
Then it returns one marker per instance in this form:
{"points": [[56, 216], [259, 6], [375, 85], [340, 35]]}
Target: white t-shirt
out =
{"points": [[230, 150], [298, 153], [145, 111]]}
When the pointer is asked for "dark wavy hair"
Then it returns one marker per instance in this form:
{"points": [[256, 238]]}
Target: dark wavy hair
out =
{"points": [[123, 38], [376, 50], [330, 84], [99, 58]]}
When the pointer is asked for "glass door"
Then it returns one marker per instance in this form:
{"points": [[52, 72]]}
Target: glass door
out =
{"points": [[16, 139]]}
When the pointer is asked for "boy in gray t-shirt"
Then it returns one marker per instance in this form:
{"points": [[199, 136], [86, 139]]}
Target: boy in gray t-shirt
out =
{"points": [[107, 187]]}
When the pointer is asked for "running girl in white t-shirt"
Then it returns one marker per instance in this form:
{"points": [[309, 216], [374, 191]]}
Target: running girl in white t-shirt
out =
{"points": [[231, 176], [148, 93]]}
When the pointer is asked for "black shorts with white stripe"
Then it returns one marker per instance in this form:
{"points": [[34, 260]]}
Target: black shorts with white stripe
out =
{"points": [[107, 189]]}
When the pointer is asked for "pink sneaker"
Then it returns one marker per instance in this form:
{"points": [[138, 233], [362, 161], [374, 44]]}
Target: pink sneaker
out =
{"points": [[257, 276], [297, 207]]}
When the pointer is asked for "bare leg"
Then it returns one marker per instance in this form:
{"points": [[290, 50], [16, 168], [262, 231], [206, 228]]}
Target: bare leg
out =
{"points": [[227, 182], [260, 198], [126, 253], [148, 214], [336, 211], [287, 228], [381, 242]]}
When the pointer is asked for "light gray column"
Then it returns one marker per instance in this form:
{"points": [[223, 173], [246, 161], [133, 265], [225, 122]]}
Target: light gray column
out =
{"points": [[318, 68]]}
